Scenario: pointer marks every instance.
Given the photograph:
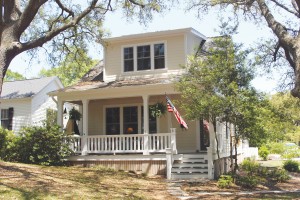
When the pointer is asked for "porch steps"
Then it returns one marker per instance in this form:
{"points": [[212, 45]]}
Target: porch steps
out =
{"points": [[190, 166]]}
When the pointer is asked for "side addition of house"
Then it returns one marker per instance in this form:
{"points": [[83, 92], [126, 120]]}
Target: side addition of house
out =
{"points": [[25, 102]]}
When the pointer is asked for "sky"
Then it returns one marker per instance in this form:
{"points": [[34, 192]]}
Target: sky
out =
{"points": [[177, 18]]}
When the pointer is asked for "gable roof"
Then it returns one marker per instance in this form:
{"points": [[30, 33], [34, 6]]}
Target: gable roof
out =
{"points": [[24, 88]]}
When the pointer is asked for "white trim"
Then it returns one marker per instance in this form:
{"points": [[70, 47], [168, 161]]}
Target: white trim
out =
{"points": [[138, 72]]}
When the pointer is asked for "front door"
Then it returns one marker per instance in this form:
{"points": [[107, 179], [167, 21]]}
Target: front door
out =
{"points": [[204, 135]]}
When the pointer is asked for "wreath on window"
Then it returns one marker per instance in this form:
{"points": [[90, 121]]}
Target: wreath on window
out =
{"points": [[158, 109]]}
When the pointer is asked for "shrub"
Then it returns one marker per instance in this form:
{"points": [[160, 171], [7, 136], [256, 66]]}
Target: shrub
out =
{"points": [[248, 181], [291, 165], [263, 152], [279, 175], [39, 145], [250, 166], [225, 181], [7, 143]]}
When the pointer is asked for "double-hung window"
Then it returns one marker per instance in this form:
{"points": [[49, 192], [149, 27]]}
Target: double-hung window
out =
{"points": [[128, 59], [159, 56], [144, 57], [113, 121]]}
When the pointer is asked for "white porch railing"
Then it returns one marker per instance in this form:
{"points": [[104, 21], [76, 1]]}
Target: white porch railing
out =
{"points": [[137, 143]]}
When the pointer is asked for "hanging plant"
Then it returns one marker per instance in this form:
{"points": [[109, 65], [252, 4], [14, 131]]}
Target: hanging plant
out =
{"points": [[157, 110], [74, 114]]}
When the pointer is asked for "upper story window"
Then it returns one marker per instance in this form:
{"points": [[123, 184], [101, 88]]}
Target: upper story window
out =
{"points": [[159, 56], [128, 59], [144, 57]]}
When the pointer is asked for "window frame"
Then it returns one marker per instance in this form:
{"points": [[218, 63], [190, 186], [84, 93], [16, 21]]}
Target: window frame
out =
{"points": [[152, 57], [121, 117]]}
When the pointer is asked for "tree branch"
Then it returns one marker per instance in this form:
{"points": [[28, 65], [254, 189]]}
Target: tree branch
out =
{"points": [[286, 8], [71, 13], [136, 3], [278, 29], [28, 15], [51, 34], [296, 5]]}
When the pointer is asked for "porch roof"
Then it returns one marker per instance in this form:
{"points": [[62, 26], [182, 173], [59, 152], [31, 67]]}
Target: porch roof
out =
{"points": [[134, 82]]}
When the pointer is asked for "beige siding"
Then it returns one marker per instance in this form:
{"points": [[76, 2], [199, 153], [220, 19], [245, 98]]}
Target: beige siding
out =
{"points": [[186, 139], [175, 53]]}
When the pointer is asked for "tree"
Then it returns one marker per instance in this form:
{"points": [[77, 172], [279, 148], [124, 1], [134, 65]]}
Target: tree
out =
{"points": [[71, 69], [286, 107], [282, 18], [13, 76], [28, 25], [217, 86]]}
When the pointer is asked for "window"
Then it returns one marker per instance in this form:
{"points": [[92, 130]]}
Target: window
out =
{"points": [[159, 56], [7, 118], [130, 120], [127, 120], [152, 122], [112, 121], [128, 59], [143, 57]]}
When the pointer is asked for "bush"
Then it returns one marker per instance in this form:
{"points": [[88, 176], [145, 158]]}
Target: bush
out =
{"points": [[250, 166], [276, 148], [279, 175], [247, 181], [263, 152], [225, 181], [7, 143], [39, 145], [291, 165]]}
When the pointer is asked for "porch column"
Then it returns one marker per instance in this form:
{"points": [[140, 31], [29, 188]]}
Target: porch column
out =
{"points": [[85, 107], [146, 124], [60, 107]]}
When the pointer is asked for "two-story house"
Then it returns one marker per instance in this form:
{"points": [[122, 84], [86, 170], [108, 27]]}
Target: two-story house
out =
{"points": [[139, 71]]}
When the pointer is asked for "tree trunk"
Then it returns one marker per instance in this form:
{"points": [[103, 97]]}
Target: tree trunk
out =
{"points": [[296, 90], [4, 63]]}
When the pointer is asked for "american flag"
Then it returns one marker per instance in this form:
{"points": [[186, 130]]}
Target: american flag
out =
{"points": [[171, 108]]}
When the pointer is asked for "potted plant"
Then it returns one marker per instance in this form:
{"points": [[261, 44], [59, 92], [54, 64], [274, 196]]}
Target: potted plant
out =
{"points": [[158, 109], [74, 116]]}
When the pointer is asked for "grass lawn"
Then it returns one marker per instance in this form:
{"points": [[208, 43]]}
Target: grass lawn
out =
{"points": [[22, 181]]}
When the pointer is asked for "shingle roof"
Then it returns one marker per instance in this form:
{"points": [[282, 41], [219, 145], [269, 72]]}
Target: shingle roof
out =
{"points": [[88, 85], [94, 74], [24, 88]]}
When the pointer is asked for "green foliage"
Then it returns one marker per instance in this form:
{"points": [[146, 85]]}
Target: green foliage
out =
{"points": [[7, 139], [74, 114], [247, 181], [263, 152], [39, 145], [158, 109], [291, 165], [72, 69], [218, 85], [279, 175], [225, 181], [276, 147], [250, 166], [13, 76]]}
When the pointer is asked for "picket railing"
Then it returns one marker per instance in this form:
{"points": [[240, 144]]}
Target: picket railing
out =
{"points": [[133, 143]]}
